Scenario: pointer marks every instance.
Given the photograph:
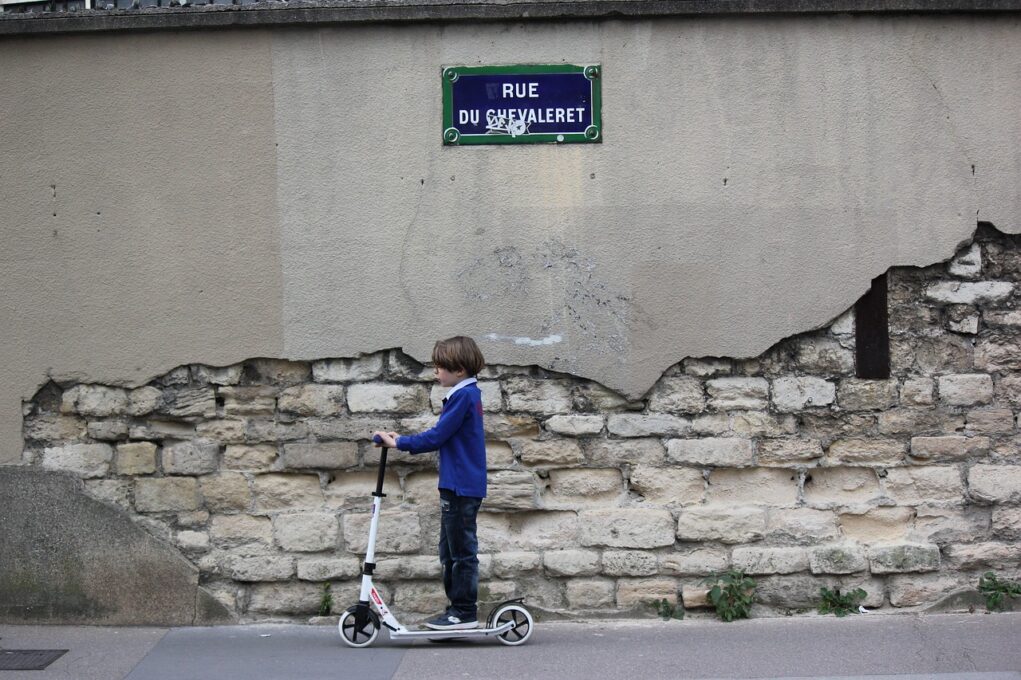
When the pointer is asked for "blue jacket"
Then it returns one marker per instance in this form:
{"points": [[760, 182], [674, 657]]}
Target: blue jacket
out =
{"points": [[459, 436]]}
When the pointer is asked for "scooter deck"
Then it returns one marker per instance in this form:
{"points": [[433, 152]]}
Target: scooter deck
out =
{"points": [[463, 633]]}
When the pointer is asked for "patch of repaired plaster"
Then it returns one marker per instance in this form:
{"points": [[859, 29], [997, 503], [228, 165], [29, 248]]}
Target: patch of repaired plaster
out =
{"points": [[519, 340]]}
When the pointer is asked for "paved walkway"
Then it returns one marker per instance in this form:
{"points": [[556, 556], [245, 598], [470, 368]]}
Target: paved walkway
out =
{"points": [[905, 647]]}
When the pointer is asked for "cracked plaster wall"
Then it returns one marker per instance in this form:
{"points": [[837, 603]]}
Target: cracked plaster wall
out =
{"points": [[210, 196]]}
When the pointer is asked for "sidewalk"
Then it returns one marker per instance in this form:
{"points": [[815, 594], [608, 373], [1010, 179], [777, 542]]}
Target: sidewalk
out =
{"points": [[908, 647]]}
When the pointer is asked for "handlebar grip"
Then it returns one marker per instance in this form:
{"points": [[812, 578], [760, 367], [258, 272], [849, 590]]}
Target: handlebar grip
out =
{"points": [[376, 439]]}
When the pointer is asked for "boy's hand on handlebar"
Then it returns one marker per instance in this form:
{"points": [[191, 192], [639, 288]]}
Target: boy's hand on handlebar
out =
{"points": [[387, 439]]}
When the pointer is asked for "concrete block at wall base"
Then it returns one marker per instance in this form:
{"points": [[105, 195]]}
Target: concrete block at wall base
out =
{"points": [[73, 560]]}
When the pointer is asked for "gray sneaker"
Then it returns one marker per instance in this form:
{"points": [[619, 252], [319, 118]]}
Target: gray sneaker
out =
{"points": [[450, 621]]}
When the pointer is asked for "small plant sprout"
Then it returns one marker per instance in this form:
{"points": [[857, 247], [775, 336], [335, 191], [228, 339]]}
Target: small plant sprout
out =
{"points": [[326, 601], [841, 604], [731, 594], [666, 610], [995, 591]]}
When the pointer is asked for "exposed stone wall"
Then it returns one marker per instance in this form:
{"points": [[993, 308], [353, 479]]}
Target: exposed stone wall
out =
{"points": [[786, 466]]}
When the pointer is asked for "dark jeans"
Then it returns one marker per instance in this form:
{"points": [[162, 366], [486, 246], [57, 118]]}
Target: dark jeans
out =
{"points": [[459, 547]]}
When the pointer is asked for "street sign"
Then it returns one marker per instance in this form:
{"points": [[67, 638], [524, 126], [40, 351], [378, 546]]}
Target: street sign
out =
{"points": [[522, 104]]}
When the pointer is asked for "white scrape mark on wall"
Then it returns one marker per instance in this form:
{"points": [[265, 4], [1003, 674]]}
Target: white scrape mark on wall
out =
{"points": [[548, 340]]}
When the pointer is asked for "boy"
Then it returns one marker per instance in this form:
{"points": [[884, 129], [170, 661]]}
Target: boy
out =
{"points": [[461, 442]]}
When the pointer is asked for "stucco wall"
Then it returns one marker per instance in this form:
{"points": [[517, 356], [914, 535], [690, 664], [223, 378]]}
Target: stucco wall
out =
{"points": [[225, 195]]}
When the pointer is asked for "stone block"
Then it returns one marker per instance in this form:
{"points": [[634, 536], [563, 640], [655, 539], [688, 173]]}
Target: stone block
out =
{"points": [[938, 354], [694, 562], [312, 400], [115, 491], [801, 526], [855, 394], [996, 556], [919, 589], [647, 424], [143, 401], [677, 394], [761, 424], [527, 531], [795, 394], [626, 528], [384, 397], [906, 557], [788, 452], [948, 448], [731, 394], [1009, 319], [571, 562], [754, 486], [216, 375], [226, 491], [590, 593], [499, 455], [841, 486], [845, 558], [877, 525], [108, 430], [965, 389], [306, 531], [192, 541], [511, 564], [968, 292], [802, 590], [844, 324], [136, 458], [1006, 523], [503, 426], [967, 263], [329, 569], [641, 592], [51, 428], [711, 452], [225, 431], [707, 367], [85, 460], [942, 525], [95, 400], [995, 483], [917, 392], [590, 397], [510, 490], [537, 396], [916, 422], [167, 494], [725, 524], [419, 487], [419, 566], [352, 428], [191, 457], [629, 563], [285, 598], [756, 561], [366, 367], [695, 597], [572, 487], [277, 371], [916, 485], [549, 452], [287, 492], [399, 532], [815, 354], [668, 486], [1008, 389], [329, 455], [189, 402], [574, 425], [254, 457], [420, 597], [633, 451], [883, 452], [990, 421], [230, 531]]}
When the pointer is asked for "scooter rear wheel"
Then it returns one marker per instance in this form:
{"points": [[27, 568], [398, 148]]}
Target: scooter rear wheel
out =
{"points": [[354, 636], [522, 620]]}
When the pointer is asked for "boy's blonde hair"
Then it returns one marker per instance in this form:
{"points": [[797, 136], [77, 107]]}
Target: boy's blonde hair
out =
{"points": [[459, 353]]}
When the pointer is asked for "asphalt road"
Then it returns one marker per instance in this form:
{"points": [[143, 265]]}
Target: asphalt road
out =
{"points": [[905, 647]]}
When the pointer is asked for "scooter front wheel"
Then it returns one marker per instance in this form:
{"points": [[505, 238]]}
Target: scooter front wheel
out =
{"points": [[352, 635], [522, 620]]}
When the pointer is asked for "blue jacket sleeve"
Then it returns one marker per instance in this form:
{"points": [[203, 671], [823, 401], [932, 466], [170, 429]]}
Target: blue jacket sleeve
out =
{"points": [[449, 423]]}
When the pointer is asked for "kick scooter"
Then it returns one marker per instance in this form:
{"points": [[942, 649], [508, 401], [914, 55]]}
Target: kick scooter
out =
{"points": [[509, 621]]}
